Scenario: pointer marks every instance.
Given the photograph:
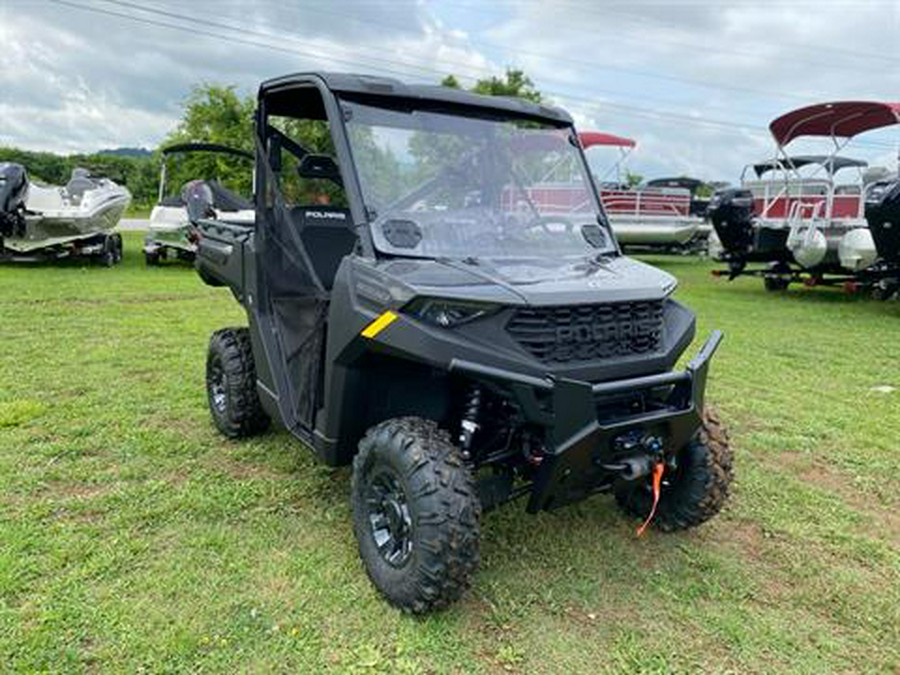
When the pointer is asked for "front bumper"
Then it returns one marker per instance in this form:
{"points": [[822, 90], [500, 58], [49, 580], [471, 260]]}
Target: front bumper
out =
{"points": [[583, 439]]}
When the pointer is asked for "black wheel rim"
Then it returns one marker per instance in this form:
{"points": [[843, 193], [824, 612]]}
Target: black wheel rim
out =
{"points": [[389, 518], [217, 394]]}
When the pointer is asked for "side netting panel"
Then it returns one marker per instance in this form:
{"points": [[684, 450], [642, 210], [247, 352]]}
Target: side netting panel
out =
{"points": [[296, 301]]}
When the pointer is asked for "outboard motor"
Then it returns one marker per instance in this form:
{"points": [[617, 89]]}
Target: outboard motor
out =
{"points": [[198, 200], [731, 213], [883, 215], [13, 192]]}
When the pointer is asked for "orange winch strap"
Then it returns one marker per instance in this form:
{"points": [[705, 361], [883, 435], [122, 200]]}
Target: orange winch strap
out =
{"points": [[658, 470]]}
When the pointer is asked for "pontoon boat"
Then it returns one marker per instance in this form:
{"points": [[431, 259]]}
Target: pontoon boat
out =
{"points": [[659, 216], [793, 214]]}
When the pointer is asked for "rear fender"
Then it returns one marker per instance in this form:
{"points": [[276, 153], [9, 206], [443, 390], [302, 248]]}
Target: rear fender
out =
{"points": [[221, 254]]}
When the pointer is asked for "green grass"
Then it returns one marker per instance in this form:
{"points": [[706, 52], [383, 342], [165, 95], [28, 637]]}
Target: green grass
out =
{"points": [[133, 537], [138, 211]]}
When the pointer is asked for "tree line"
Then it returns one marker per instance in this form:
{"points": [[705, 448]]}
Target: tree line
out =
{"points": [[213, 114]]}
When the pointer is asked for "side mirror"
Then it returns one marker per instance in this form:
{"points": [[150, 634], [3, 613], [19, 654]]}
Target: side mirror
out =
{"points": [[320, 166]]}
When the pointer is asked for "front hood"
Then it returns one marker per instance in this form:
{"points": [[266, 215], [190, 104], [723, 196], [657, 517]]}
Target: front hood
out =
{"points": [[534, 281]]}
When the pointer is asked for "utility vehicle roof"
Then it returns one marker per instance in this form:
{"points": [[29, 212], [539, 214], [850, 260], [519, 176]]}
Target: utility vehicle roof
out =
{"points": [[591, 138], [386, 87], [831, 164], [205, 147], [842, 119]]}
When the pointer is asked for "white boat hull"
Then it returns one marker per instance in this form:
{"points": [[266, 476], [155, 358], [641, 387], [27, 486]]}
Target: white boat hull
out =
{"points": [[54, 219], [653, 230]]}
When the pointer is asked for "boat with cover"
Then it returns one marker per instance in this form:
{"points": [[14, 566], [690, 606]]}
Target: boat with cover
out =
{"points": [[170, 229], [792, 213], [883, 216], [701, 191], [656, 215], [659, 217], [40, 222]]}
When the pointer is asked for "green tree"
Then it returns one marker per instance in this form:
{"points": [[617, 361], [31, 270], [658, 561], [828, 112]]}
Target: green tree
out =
{"points": [[514, 83], [136, 173], [451, 82], [633, 179], [432, 150], [213, 114]]}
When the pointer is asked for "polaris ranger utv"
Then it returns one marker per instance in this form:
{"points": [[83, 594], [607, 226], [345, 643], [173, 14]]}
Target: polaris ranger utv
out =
{"points": [[418, 309]]}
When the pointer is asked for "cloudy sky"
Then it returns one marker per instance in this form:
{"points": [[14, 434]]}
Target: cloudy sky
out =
{"points": [[695, 83]]}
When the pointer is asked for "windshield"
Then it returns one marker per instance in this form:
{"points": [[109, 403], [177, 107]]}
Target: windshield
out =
{"points": [[446, 185]]}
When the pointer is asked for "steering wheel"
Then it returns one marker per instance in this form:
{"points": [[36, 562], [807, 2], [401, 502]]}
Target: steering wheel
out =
{"points": [[544, 222], [486, 240]]}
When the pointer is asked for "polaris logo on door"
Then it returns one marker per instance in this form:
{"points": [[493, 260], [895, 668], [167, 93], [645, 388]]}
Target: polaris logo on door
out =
{"points": [[326, 215]]}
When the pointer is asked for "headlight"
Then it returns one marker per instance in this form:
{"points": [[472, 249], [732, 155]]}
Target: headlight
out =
{"points": [[448, 313], [669, 287]]}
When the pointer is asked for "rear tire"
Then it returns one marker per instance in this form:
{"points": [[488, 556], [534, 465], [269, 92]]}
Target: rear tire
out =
{"points": [[698, 488], [151, 258], [231, 384], [415, 514]]}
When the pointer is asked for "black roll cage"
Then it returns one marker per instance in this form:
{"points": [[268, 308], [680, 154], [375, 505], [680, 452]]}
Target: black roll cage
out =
{"points": [[377, 90], [334, 116]]}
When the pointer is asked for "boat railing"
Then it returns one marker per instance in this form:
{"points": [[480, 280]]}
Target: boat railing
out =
{"points": [[809, 215], [647, 201], [775, 200]]}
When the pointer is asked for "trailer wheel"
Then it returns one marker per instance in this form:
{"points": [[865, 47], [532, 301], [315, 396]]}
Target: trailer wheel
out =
{"points": [[884, 290], [415, 514], [775, 284], [118, 248], [151, 258], [231, 384], [107, 257], [696, 490]]}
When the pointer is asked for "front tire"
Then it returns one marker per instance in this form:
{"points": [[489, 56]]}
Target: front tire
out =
{"points": [[231, 384], [698, 488], [415, 514]]}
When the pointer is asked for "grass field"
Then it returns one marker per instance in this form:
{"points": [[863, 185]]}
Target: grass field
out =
{"points": [[133, 537]]}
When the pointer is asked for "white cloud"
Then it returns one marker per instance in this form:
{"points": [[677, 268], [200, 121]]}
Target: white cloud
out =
{"points": [[78, 80]]}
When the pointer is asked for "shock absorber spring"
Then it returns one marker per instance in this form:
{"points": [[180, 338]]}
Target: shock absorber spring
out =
{"points": [[469, 425]]}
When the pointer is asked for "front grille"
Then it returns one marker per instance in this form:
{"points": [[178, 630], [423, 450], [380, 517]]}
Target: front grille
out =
{"points": [[588, 332]]}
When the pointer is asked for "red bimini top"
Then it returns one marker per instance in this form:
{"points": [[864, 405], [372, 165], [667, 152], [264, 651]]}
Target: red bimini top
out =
{"points": [[841, 118], [591, 138]]}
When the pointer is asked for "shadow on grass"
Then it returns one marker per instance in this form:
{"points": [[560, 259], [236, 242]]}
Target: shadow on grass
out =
{"points": [[514, 543], [70, 262], [817, 295], [675, 260]]}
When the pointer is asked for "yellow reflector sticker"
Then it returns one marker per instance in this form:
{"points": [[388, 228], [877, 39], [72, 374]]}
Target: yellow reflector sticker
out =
{"points": [[379, 324]]}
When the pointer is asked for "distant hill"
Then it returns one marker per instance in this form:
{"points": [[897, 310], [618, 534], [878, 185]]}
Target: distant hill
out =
{"points": [[127, 152]]}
